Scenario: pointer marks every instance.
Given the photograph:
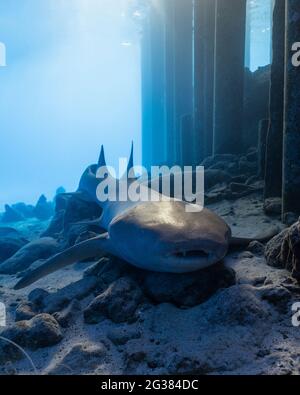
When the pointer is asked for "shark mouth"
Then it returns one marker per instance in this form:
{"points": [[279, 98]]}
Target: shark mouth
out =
{"points": [[192, 254]]}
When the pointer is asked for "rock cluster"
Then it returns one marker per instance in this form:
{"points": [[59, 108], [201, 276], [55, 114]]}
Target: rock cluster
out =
{"points": [[11, 215], [118, 303], [82, 358], [11, 242], [18, 212], [39, 332], [137, 314], [283, 251], [43, 209], [231, 177], [115, 291], [72, 217], [36, 250]]}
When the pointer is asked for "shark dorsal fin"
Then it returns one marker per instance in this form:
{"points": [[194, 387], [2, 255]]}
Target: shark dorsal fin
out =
{"points": [[102, 161], [130, 166], [130, 162]]}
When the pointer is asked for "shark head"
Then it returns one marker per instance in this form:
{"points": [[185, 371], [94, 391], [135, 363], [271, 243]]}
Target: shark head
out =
{"points": [[164, 237]]}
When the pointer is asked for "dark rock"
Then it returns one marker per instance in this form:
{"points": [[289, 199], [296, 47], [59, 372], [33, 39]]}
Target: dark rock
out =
{"points": [[246, 255], [9, 245], [121, 336], [258, 185], [273, 250], [9, 353], [211, 160], [240, 188], [41, 331], [39, 249], [238, 305], [180, 289], [184, 365], [11, 215], [256, 248], [247, 167], [83, 358], [187, 289], [229, 167], [292, 287], [72, 214], [61, 202], [24, 209], [214, 177], [66, 316], [277, 296], [239, 179], [258, 281], [134, 358], [211, 198], [60, 191], [25, 311], [78, 210], [43, 210], [273, 206], [108, 270], [55, 302], [37, 297], [219, 188], [283, 251], [217, 193], [253, 180], [118, 303], [9, 232], [233, 169], [234, 191], [56, 225]]}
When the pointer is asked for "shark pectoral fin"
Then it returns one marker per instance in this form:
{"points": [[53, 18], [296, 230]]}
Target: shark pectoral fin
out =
{"points": [[95, 247], [94, 222]]}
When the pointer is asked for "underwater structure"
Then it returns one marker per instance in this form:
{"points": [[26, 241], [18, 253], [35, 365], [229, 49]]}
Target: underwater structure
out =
{"points": [[202, 96]]}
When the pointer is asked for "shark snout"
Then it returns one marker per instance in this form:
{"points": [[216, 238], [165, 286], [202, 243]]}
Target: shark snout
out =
{"points": [[167, 239]]}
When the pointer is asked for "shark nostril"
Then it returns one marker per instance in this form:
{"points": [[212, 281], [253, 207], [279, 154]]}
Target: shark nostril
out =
{"points": [[192, 254]]}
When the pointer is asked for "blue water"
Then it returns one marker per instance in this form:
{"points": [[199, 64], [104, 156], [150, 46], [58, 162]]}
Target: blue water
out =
{"points": [[259, 33], [72, 83]]}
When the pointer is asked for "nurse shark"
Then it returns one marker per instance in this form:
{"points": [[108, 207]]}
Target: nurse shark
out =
{"points": [[161, 236]]}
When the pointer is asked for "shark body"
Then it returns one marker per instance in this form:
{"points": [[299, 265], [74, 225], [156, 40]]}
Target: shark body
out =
{"points": [[156, 236]]}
